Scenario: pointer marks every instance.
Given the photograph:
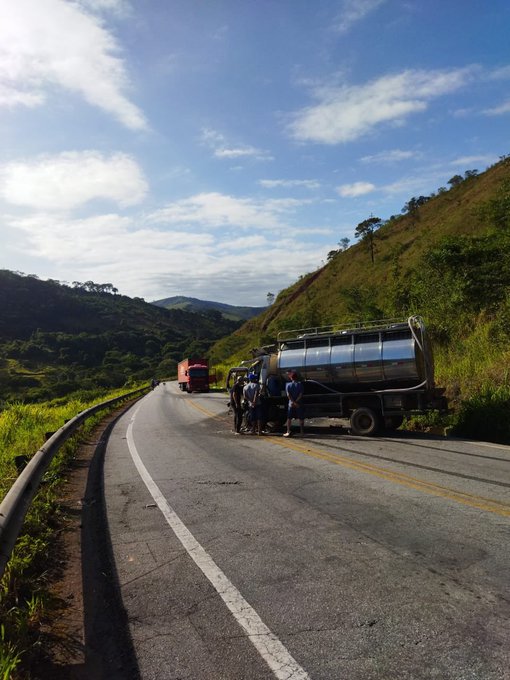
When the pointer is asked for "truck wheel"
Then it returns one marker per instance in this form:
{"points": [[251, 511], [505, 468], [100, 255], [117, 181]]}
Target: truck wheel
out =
{"points": [[365, 422], [393, 422]]}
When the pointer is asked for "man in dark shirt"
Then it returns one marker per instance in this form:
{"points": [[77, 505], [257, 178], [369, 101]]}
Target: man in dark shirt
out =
{"points": [[252, 395], [236, 401]]}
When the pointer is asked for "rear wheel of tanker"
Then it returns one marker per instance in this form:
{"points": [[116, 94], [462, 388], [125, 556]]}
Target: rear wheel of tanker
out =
{"points": [[365, 422], [393, 422]]}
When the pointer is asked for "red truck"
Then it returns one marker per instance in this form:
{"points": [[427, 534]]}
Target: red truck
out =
{"points": [[193, 375]]}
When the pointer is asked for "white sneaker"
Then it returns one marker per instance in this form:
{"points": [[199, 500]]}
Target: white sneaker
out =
{"points": [[287, 434]]}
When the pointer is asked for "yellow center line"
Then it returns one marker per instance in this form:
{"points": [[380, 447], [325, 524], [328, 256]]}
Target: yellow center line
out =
{"points": [[473, 501], [204, 410], [486, 504]]}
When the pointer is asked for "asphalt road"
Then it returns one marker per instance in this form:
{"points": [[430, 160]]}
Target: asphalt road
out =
{"points": [[325, 557]]}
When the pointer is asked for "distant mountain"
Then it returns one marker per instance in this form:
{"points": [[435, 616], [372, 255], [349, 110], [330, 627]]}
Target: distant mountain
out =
{"points": [[56, 340], [231, 312]]}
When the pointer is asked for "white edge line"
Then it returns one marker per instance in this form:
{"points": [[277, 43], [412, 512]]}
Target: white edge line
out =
{"points": [[490, 446], [277, 657]]}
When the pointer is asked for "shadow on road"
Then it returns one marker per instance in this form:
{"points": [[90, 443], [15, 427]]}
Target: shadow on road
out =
{"points": [[109, 652]]}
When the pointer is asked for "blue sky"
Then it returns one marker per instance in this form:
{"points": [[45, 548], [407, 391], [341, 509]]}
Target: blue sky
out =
{"points": [[221, 148]]}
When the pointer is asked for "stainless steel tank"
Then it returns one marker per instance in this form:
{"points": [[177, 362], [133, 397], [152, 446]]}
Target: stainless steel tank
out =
{"points": [[372, 356]]}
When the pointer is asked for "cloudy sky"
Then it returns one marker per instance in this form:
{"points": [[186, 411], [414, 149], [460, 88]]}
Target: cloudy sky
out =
{"points": [[221, 148]]}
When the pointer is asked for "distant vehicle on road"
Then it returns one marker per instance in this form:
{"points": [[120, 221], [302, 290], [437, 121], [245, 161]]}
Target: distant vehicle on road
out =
{"points": [[193, 375]]}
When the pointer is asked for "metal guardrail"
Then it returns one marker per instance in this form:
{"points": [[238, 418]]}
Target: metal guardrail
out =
{"points": [[16, 503]]}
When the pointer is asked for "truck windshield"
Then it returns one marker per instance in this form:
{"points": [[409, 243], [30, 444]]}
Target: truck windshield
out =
{"points": [[198, 372]]}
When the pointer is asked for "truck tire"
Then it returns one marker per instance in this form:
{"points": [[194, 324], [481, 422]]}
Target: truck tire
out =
{"points": [[365, 422]]}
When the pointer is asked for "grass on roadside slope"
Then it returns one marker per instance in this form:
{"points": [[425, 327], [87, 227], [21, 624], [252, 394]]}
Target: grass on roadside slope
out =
{"points": [[23, 588], [475, 370]]}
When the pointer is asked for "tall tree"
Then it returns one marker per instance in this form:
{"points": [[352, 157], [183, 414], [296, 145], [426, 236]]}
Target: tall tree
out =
{"points": [[366, 231], [455, 181], [412, 206]]}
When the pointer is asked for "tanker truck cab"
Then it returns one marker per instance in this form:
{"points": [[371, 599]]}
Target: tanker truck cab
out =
{"points": [[373, 373]]}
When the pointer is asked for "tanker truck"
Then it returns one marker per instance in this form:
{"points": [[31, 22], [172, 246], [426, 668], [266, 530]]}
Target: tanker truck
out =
{"points": [[372, 373]]}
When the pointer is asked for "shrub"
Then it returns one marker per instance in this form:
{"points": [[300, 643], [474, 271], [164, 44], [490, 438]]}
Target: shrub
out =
{"points": [[485, 415]]}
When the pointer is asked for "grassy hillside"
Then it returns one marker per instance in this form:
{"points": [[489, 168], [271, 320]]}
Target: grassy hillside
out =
{"points": [[231, 312], [446, 258], [56, 340]]}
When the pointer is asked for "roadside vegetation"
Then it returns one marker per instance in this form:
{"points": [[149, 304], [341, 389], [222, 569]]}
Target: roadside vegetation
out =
{"points": [[68, 340], [25, 603]]}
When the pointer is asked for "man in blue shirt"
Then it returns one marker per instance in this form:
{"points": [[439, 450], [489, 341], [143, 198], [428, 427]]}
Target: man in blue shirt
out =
{"points": [[295, 409]]}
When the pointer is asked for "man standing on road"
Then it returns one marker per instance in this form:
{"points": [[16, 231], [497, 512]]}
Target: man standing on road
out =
{"points": [[295, 409], [236, 401], [252, 396]]}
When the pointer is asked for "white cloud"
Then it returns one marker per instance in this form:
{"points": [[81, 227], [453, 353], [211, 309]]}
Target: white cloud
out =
{"points": [[10, 97], [142, 260], [355, 189], [119, 7], [212, 137], [70, 179], [223, 149], [313, 231], [424, 182], [289, 183], [81, 242], [346, 113], [238, 152], [353, 11], [212, 210], [244, 274], [501, 110], [394, 156], [500, 73], [244, 243], [485, 159], [48, 43]]}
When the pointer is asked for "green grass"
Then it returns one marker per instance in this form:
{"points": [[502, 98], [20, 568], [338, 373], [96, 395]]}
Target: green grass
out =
{"points": [[10, 657], [24, 600], [485, 415], [474, 368], [472, 362]]}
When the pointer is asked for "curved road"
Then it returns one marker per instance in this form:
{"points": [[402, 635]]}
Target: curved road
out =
{"points": [[325, 557]]}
